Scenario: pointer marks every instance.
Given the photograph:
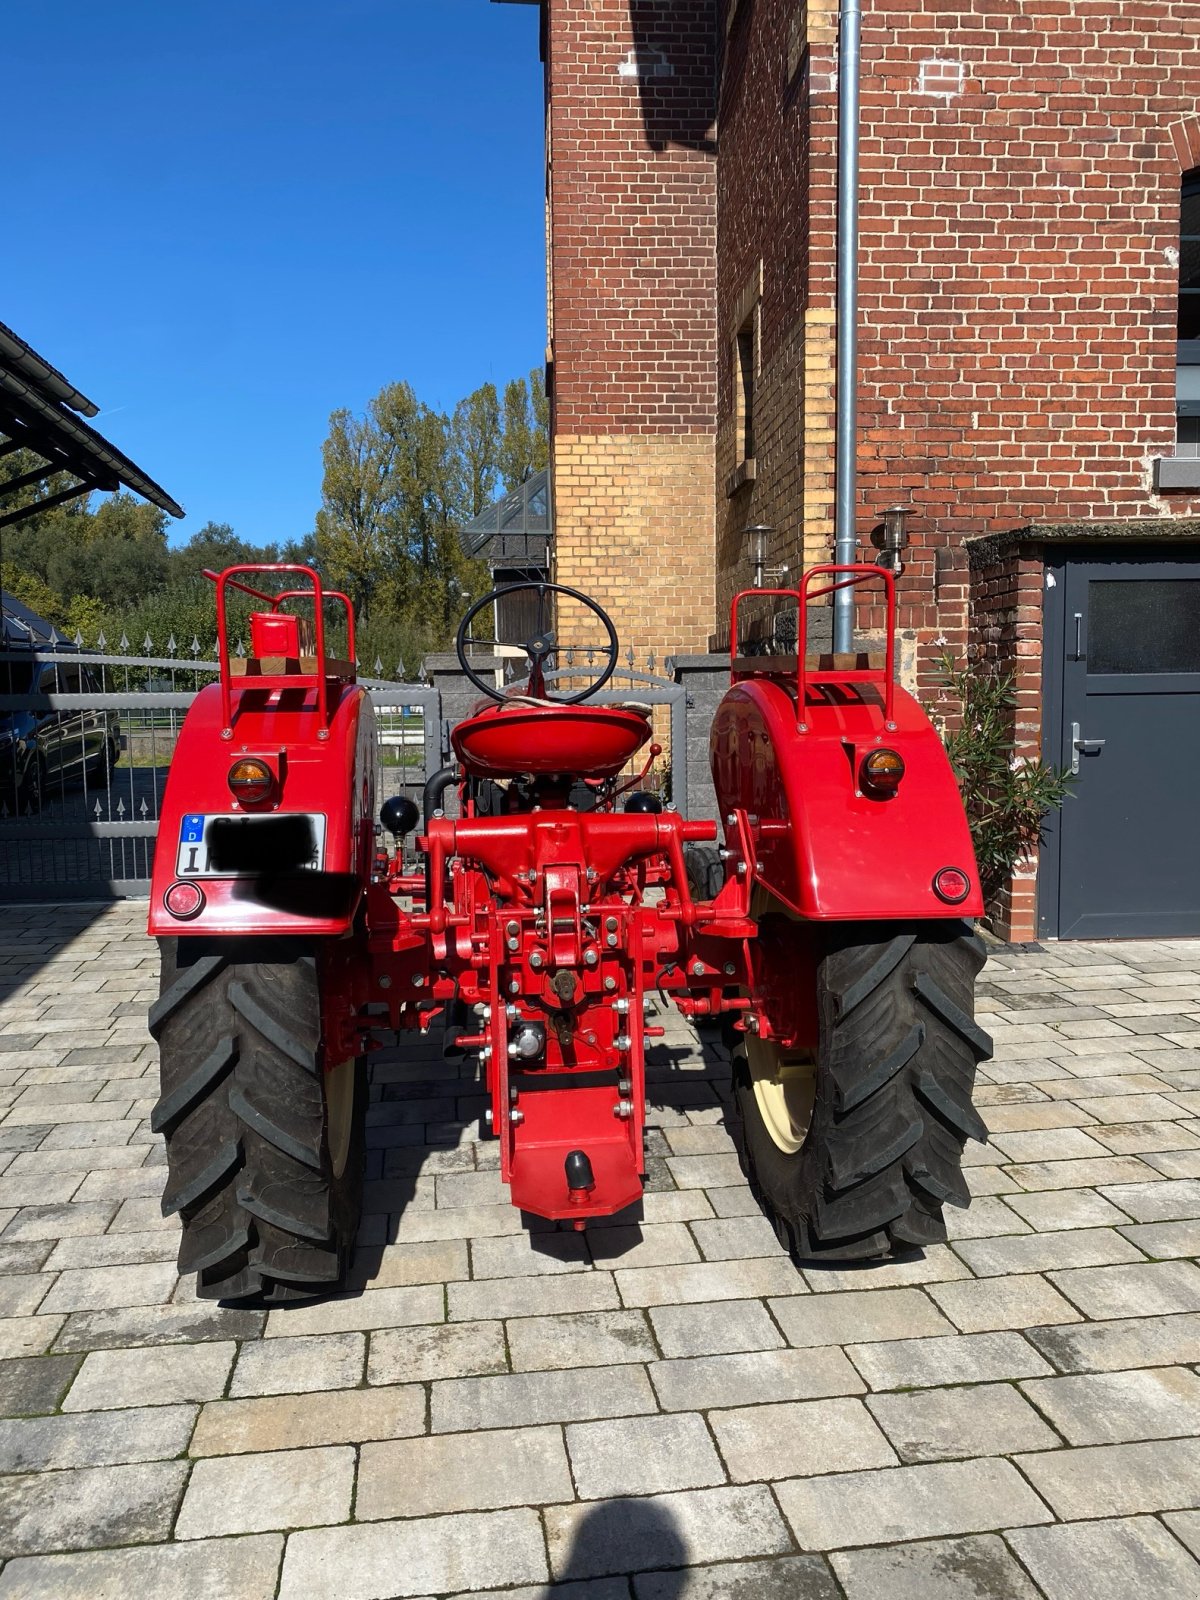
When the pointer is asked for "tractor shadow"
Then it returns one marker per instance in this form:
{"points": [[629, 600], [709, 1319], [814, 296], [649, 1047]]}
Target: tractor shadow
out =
{"points": [[424, 1145]]}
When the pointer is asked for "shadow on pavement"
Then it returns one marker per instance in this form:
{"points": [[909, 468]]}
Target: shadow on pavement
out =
{"points": [[423, 1124], [628, 1536]]}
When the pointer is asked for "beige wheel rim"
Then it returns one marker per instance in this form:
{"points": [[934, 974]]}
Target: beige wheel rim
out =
{"points": [[784, 1082], [340, 1083], [785, 1088]]}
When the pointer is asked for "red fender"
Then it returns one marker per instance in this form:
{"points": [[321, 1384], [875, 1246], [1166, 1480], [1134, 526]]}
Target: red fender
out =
{"points": [[821, 844], [330, 778]]}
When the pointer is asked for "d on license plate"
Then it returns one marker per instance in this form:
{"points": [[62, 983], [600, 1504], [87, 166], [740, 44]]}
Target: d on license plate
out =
{"points": [[246, 846]]}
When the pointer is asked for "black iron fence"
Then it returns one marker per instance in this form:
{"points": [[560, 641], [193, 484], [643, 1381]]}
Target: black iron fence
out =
{"points": [[86, 741]]}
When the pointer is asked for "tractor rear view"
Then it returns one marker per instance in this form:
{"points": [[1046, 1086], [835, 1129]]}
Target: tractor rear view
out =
{"points": [[552, 893]]}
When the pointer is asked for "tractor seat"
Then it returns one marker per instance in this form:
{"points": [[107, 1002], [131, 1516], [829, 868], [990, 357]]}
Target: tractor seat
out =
{"points": [[545, 738]]}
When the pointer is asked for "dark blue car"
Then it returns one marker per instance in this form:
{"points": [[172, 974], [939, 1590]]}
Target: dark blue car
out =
{"points": [[41, 751]]}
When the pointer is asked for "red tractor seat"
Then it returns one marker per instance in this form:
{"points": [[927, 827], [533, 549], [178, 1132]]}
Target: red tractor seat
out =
{"points": [[544, 738]]}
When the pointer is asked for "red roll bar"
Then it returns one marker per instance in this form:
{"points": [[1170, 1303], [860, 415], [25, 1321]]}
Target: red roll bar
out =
{"points": [[226, 580], [844, 577]]}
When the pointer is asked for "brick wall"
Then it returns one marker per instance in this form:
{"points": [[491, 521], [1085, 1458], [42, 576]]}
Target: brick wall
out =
{"points": [[1020, 212], [1020, 179], [776, 171], [1020, 192], [633, 277], [1005, 636]]}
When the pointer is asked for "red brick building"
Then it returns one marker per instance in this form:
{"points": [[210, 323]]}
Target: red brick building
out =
{"points": [[1030, 363]]}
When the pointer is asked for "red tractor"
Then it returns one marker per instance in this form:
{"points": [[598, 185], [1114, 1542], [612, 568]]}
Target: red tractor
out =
{"points": [[830, 936]]}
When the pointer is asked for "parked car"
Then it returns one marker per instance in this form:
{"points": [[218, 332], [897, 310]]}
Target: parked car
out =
{"points": [[41, 751]]}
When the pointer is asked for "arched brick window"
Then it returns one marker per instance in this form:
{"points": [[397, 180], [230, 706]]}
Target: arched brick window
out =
{"points": [[1187, 386]]}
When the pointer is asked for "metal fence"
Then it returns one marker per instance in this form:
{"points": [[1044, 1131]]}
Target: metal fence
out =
{"points": [[86, 741]]}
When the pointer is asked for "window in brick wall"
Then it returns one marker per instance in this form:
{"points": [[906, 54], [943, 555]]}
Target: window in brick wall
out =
{"points": [[746, 363], [745, 379], [1188, 349]]}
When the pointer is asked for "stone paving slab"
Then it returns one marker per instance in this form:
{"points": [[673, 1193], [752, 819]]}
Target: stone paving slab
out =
{"points": [[662, 1409]]}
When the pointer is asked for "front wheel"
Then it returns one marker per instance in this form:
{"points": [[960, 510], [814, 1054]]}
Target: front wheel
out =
{"points": [[853, 1153], [264, 1137]]}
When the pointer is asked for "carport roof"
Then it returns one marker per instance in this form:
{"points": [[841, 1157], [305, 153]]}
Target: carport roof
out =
{"points": [[43, 412], [517, 528]]}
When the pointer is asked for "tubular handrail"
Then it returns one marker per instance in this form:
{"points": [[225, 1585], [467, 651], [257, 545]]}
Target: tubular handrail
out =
{"points": [[746, 594], [228, 580], [850, 577], [845, 577]]}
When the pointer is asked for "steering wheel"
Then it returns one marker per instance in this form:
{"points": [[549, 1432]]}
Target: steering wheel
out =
{"points": [[542, 644]]}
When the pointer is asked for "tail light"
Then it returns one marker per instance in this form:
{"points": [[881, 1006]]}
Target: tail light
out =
{"points": [[184, 900], [251, 781], [952, 885], [881, 772]]}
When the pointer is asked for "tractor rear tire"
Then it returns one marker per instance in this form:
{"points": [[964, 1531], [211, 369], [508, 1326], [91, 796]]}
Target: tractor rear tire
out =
{"points": [[886, 1110], [264, 1146]]}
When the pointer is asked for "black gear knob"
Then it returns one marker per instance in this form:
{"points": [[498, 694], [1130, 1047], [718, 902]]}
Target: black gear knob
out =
{"points": [[399, 815]]}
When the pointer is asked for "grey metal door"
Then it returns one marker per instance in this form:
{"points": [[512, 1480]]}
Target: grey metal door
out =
{"points": [[1128, 629]]}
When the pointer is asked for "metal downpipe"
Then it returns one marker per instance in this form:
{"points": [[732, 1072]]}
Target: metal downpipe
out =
{"points": [[846, 460]]}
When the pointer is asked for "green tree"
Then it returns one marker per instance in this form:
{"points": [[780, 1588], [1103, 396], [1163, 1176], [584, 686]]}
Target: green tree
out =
{"points": [[525, 445], [213, 547], [358, 524], [475, 442]]}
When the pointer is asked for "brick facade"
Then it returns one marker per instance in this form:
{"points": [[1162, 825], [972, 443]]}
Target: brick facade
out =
{"points": [[1020, 217], [632, 225], [1005, 635], [1020, 179]]}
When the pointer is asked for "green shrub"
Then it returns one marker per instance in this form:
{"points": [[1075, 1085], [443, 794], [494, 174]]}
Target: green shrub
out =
{"points": [[1007, 797]]}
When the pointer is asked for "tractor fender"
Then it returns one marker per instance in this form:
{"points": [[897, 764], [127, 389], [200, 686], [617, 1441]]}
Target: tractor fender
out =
{"points": [[328, 780], [820, 843]]}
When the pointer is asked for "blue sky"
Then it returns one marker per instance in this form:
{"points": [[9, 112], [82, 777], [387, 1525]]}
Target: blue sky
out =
{"points": [[237, 215]]}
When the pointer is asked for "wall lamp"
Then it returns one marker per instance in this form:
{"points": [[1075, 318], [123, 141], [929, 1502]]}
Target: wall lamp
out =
{"points": [[759, 532], [894, 541]]}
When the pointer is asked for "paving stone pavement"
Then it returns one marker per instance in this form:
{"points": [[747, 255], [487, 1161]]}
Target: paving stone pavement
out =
{"points": [[662, 1409]]}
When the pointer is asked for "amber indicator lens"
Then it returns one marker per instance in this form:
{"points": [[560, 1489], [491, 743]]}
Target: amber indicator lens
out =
{"points": [[250, 780], [951, 885], [184, 900], [882, 771]]}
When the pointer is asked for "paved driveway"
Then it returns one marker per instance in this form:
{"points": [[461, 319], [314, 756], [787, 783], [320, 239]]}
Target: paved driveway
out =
{"points": [[659, 1412]]}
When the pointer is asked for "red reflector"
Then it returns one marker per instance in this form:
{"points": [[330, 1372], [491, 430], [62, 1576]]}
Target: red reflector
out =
{"points": [[184, 900], [951, 885]]}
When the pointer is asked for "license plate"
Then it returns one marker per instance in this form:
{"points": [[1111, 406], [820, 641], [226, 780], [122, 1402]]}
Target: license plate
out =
{"points": [[225, 846]]}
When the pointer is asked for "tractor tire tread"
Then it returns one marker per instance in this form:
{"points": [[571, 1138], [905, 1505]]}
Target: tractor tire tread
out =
{"points": [[187, 983], [172, 1108], [266, 1219], [196, 1184], [893, 1109]]}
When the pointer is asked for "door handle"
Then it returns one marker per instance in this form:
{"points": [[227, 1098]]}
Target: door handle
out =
{"points": [[1088, 747], [1078, 656]]}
